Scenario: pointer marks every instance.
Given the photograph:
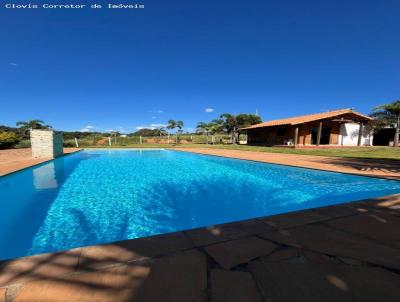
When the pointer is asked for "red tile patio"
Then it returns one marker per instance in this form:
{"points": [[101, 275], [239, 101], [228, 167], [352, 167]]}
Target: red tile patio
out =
{"points": [[12, 160]]}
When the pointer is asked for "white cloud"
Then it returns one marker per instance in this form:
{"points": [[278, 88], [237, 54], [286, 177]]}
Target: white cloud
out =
{"points": [[153, 117], [151, 126], [87, 128], [13, 64], [209, 110], [158, 125]]}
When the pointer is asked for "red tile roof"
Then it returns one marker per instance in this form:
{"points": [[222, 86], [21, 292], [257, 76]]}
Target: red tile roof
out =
{"points": [[310, 118]]}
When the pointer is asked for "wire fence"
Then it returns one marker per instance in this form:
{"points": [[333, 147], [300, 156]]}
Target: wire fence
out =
{"points": [[102, 141]]}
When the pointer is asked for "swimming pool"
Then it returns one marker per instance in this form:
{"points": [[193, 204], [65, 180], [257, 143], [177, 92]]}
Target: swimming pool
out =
{"points": [[100, 196]]}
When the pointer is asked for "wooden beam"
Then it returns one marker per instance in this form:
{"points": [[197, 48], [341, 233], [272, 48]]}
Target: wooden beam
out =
{"points": [[319, 133], [296, 135], [342, 120], [360, 131]]}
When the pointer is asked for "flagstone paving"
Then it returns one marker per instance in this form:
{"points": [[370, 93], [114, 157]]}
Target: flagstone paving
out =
{"points": [[282, 281], [326, 240], [344, 252], [376, 226], [232, 253], [225, 287]]}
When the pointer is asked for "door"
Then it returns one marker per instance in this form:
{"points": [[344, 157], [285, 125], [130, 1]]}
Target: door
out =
{"points": [[325, 135]]}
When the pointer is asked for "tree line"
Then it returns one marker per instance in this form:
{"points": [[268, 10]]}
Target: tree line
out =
{"points": [[387, 115], [228, 123]]}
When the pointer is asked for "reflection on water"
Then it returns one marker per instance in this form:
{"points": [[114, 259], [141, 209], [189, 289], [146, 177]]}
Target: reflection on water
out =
{"points": [[44, 177], [125, 194], [103, 196], [25, 198]]}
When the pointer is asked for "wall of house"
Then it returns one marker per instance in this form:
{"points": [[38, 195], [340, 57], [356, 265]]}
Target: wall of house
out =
{"points": [[305, 137], [345, 134], [335, 132], [349, 135], [304, 134], [269, 136]]}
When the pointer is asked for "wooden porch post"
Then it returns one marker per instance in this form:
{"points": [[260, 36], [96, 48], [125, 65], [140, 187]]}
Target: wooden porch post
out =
{"points": [[319, 133], [296, 135], [360, 131]]}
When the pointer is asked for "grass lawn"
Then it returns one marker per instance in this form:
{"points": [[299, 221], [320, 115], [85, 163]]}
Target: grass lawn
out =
{"points": [[362, 152]]}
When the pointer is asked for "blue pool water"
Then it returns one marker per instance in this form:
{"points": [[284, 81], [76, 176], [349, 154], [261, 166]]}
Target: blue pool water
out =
{"points": [[102, 196]]}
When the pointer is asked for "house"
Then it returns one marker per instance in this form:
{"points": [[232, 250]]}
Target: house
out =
{"points": [[343, 127]]}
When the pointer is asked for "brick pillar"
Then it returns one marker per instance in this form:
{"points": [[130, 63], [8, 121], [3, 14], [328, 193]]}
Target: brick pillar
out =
{"points": [[46, 143]]}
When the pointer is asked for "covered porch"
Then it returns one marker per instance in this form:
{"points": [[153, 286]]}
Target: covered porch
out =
{"points": [[338, 128]]}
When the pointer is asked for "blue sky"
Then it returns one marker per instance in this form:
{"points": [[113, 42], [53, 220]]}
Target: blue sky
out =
{"points": [[124, 69]]}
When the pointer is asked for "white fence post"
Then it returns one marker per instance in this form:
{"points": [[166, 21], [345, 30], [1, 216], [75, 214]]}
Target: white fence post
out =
{"points": [[76, 142], [109, 140], [141, 140]]}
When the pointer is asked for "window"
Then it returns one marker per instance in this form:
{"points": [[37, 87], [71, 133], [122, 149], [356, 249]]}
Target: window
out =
{"points": [[281, 132], [255, 136]]}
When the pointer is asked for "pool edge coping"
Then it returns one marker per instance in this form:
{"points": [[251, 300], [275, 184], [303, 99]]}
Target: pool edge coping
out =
{"points": [[368, 204], [206, 154], [41, 163], [288, 165]]}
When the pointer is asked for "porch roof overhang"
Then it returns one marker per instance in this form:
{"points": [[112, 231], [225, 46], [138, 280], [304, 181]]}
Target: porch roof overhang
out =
{"points": [[342, 115]]}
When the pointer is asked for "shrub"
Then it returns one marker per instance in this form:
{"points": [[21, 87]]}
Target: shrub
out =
{"points": [[69, 143], [26, 143], [8, 139]]}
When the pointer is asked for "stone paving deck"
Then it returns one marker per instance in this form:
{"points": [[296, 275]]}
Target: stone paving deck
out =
{"points": [[367, 167], [345, 252], [12, 160]]}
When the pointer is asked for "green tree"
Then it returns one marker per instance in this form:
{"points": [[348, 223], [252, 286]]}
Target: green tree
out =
{"points": [[8, 139], [172, 125], [25, 126], [179, 125], [160, 131], [389, 115], [232, 123], [150, 132], [209, 128]]}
